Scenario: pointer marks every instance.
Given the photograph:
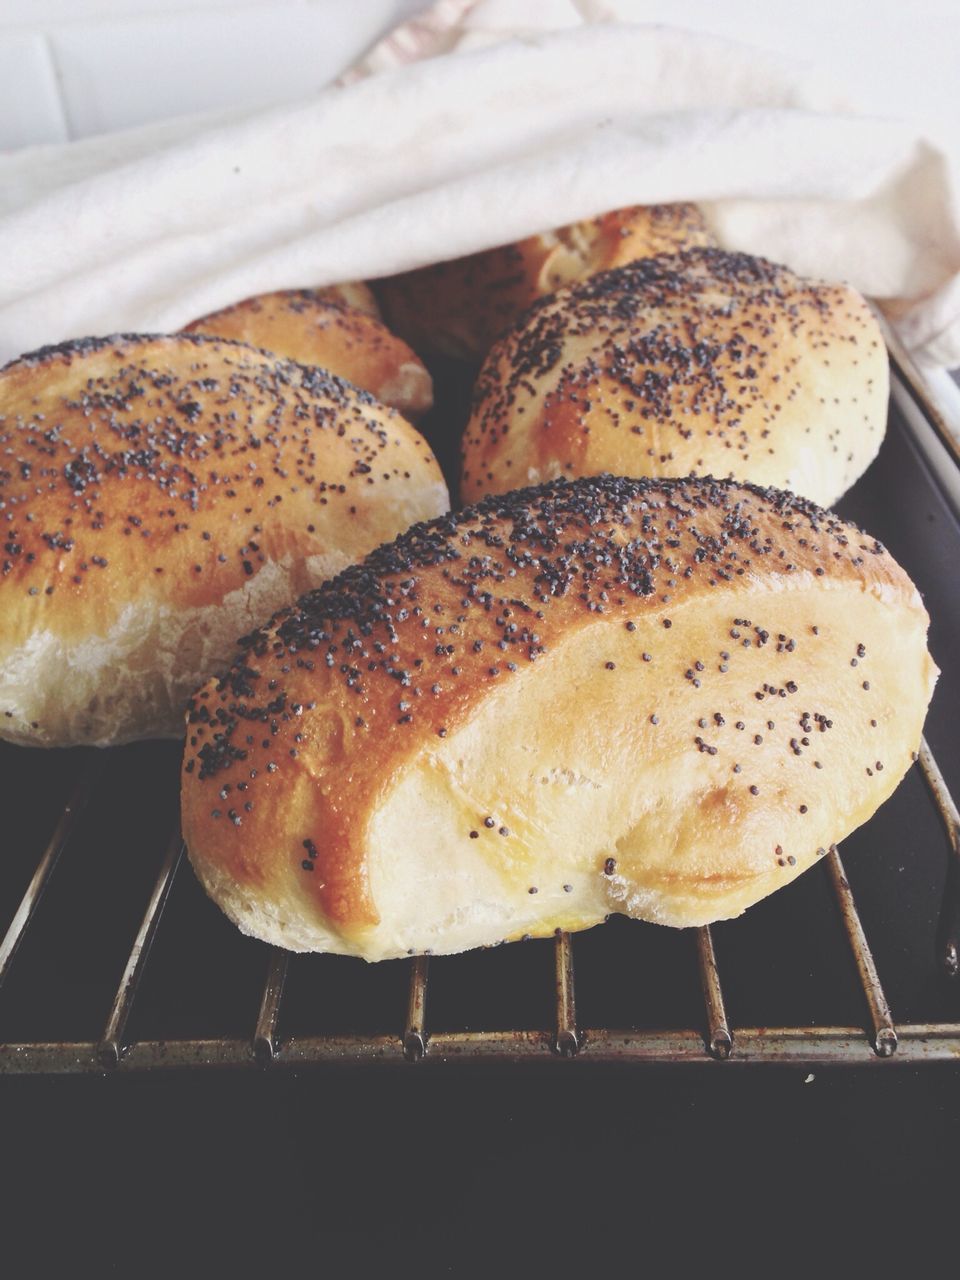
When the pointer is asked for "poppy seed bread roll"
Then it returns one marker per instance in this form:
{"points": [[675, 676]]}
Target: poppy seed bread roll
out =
{"points": [[701, 362], [662, 698], [160, 495], [354, 293], [312, 328], [459, 308]]}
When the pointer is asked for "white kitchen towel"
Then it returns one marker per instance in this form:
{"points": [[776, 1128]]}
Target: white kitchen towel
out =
{"points": [[494, 136]]}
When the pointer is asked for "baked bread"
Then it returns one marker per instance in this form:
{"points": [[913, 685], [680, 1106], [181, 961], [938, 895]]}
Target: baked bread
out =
{"points": [[160, 495], [703, 362], [459, 308], [354, 293], [302, 325], [665, 698]]}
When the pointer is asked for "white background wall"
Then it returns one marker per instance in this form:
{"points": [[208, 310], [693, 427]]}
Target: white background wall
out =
{"points": [[897, 57], [70, 68]]}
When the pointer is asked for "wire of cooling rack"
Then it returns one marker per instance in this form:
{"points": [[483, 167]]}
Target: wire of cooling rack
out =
{"points": [[714, 1040]]}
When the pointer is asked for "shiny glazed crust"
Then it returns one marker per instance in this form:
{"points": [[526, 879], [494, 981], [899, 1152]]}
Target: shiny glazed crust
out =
{"points": [[159, 495], [303, 325], [461, 307], [664, 698], [703, 362]]}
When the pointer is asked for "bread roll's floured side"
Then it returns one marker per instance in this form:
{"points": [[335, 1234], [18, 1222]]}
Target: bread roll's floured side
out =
{"points": [[459, 308], [661, 698], [162, 495], [702, 362], [311, 327]]}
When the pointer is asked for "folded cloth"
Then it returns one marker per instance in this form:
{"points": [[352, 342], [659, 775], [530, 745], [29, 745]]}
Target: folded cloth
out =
{"points": [[483, 139]]}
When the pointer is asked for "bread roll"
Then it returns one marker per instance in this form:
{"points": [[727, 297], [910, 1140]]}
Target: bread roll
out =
{"points": [[159, 496], [300, 324], [662, 698], [460, 308], [703, 362], [354, 293]]}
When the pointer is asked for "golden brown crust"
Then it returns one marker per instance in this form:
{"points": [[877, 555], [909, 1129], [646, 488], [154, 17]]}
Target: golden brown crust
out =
{"points": [[306, 326], [461, 307], [697, 362], [354, 293], [330, 710], [167, 473]]}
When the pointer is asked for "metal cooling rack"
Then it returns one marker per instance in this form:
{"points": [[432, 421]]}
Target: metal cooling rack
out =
{"points": [[407, 1037]]}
